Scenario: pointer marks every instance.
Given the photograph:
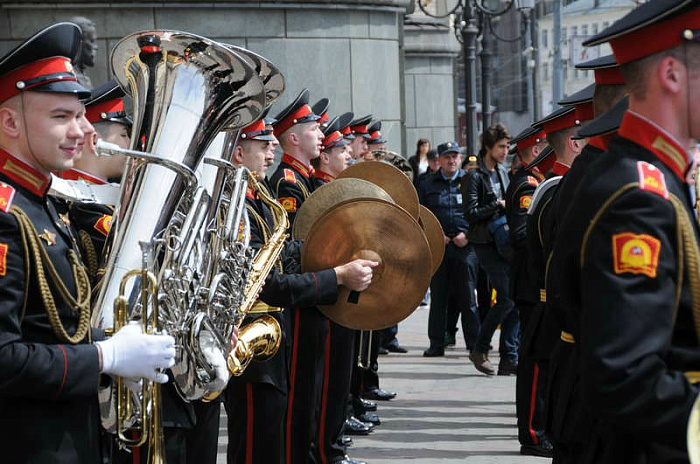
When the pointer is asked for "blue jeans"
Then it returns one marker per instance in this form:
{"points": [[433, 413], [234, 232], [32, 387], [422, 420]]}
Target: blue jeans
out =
{"points": [[503, 312]]}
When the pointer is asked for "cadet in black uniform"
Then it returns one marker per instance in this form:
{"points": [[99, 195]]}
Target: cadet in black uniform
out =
{"points": [[626, 293], [256, 401], [49, 363], [528, 145], [563, 431]]}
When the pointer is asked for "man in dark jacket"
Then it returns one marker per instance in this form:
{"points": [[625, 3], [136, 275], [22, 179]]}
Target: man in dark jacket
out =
{"points": [[440, 192], [484, 190]]}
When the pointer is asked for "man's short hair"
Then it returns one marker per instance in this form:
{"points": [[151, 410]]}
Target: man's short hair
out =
{"points": [[558, 140], [606, 95]]}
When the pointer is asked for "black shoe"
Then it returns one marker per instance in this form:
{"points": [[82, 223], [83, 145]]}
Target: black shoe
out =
{"points": [[506, 367], [396, 349], [383, 350], [378, 394], [450, 339], [354, 427], [434, 352], [370, 417], [544, 449], [345, 441], [368, 405], [349, 460]]}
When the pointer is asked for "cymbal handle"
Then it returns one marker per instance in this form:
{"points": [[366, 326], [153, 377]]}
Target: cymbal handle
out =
{"points": [[354, 297]]}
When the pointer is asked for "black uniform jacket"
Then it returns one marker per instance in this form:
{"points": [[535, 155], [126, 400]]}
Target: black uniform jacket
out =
{"points": [[292, 183], [518, 198], [285, 289], [48, 387], [626, 304]]}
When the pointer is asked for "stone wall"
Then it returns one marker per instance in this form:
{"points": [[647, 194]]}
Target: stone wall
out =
{"points": [[351, 51]]}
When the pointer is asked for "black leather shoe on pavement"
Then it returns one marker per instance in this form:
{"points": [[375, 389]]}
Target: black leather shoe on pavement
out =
{"points": [[434, 352], [396, 349], [507, 368], [378, 394], [349, 460], [345, 440], [368, 405], [544, 449], [355, 427], [370, 417], [383, 350]]}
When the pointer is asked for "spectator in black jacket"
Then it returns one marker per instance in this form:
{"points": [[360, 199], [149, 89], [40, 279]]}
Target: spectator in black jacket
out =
{"points": [[484, 191]]}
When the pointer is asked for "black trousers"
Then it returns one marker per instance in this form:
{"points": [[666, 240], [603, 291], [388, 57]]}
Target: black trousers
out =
{"points": [[256, 413], [309, 329], [453, 277], [530, 382], [338, 364]]}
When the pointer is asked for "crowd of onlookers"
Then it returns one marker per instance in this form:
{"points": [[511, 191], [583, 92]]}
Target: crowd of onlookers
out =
{"points": [[467, 195]]}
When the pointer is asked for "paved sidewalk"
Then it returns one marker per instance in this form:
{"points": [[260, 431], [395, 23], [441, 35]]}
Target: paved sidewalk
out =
{"points": [[445, 410]]}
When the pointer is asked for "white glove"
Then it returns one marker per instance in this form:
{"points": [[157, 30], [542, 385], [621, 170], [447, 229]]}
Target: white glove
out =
{"points": [[132, 354], [215, 357]]}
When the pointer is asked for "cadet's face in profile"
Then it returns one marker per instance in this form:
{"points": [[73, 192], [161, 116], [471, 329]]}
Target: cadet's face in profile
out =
{"points": [[54, 128], [358, 146], [311, 139], [255, 154], [338, 159]]}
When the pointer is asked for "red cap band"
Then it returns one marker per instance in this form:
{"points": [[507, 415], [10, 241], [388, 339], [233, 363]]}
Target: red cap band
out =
{"points": [[375, 135], [359, 129], [651, 39], [324, 118], [531, 141], [13, 83], [282, 126], [584, 112], [609, 76], [346, 130], [257, 126], [332, 139], [94, 113], [565, 121]]}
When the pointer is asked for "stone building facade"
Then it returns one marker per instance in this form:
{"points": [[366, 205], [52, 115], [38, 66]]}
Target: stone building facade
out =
{"points": [[351, 51]]}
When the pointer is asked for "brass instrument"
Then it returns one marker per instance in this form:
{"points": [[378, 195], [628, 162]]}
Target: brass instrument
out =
{"points": [[185, 89], [261, 338]]}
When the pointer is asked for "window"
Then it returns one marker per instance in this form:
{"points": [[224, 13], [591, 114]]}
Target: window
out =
{"points": [[563, 34], [545, 71], [574, 31], [605, 24], [595, 29], [584, 30], [545, 36]]}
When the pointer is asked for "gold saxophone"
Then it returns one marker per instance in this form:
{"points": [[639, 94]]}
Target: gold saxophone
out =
{"points": [[260, 339]]}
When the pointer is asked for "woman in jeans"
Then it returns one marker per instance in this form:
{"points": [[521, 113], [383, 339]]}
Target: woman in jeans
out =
{"points": [[483, 193]]}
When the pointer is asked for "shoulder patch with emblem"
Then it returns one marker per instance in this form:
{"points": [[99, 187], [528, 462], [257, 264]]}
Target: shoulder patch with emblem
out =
{"points": [[525, 201], [289, 175], [104, 224], [289, 204], [636, 253], [7, 194], [3, 259], [651, 179], [532, 181]]}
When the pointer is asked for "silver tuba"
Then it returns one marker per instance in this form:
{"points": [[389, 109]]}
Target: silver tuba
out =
{"points": [[185, 89]]}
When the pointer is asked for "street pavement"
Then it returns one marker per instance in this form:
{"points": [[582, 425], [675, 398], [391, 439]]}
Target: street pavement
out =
{"points": [[445, 411]]}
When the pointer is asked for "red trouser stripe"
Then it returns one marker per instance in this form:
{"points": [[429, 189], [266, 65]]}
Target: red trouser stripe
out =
{"points": [[533, 403], [292, 381], [249, 432], [324, 399]]}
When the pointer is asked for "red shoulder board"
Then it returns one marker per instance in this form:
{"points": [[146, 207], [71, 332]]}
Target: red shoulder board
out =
{"points": [[289, 176], [104, 224], [532, 181], [7, 194], [250, 193], [651, 179]]}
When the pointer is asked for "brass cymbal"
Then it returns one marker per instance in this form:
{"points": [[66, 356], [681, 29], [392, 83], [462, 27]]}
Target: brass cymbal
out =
{"points": [[433, 232], [329, 195], [391, 179], [380, 231]]}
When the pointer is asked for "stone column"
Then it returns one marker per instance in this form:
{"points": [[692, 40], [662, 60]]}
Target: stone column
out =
{"points": [[430, 49]]}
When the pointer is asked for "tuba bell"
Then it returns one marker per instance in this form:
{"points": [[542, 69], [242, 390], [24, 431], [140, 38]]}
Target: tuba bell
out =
{"points": [[185, 89]]}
